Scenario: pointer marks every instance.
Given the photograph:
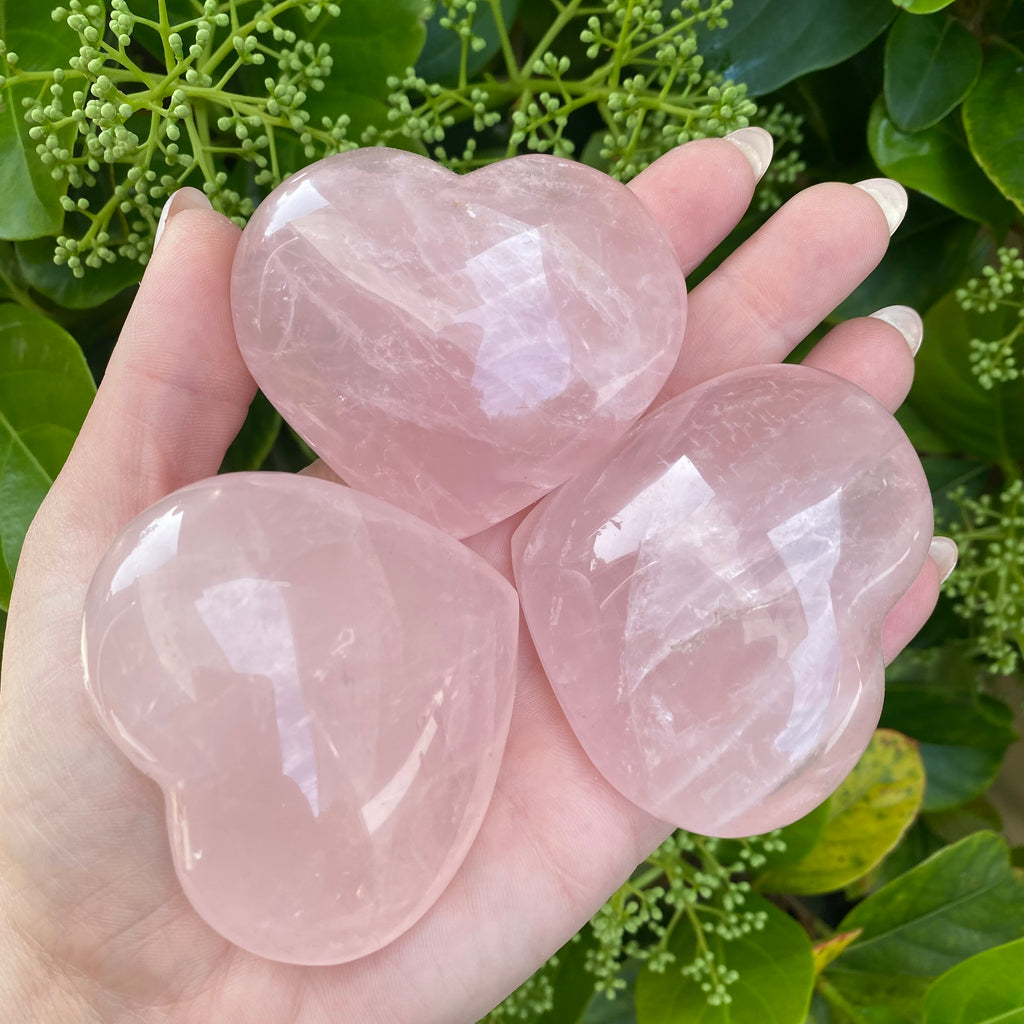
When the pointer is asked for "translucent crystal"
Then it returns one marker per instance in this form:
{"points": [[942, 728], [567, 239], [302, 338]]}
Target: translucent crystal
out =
{"points": [[708, 603], [322, 686], [457, 345]]}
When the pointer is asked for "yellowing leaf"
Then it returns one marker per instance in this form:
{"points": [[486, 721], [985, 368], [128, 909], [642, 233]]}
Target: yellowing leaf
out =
{"points": [[869, 813], [825, 952]]}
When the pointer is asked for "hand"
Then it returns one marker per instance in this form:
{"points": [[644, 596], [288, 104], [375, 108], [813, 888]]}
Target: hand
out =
{"points": [[93, 924]]}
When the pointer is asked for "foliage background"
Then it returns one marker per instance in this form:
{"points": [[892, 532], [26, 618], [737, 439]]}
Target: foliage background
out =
{"points": [[900, 900]]}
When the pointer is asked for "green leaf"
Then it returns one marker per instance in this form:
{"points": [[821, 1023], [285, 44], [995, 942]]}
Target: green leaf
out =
{"points": [[776, 976], [938, 163], [986, 989], [59, 284], [963, 735], [30, 207], [994, 121], [573, 985], [948, 475], [924, 260], [45, 392], [947, 397], [930, 66], [868, 814], [255, 439], [963, 899], [442, 52], [768, 43], [922, 6], [370, 40]]}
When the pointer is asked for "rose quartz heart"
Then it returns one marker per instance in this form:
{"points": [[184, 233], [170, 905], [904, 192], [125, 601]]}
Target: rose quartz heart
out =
{"points": [[708, 604], [322, 686], [457, 345]]}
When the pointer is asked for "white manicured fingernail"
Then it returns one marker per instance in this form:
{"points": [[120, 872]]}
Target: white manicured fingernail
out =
{"points": [[906, 320], [183, 199], [944, 553], [890, 196], [756, 145]]}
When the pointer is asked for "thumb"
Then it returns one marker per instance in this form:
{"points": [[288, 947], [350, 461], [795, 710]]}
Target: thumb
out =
{"points": [[176, 389]]}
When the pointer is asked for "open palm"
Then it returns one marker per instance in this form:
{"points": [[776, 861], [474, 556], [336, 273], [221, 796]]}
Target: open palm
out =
{"points": [[93, 924]]}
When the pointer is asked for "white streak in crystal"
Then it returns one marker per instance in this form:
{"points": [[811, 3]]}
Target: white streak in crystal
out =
{"points": [[250, 621], [678, 493], [385, 801], [156, 546], [809, 546], [524, 358], [303, 199]]}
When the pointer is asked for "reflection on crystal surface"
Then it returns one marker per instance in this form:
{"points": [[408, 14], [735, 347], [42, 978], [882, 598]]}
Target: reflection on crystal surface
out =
{"points": [[457, 345], [708, 605], [275, 672]]}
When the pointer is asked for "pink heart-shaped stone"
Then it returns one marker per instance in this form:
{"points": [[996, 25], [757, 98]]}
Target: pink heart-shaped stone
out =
{"points": [[322, 686], [708, 605], [457, 345]]}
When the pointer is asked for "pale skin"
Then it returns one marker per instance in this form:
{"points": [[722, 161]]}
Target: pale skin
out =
{"points": [[93, 924]]}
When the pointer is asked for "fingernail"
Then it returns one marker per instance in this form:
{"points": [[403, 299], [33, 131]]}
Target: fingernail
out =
{"points": [[943, 552], [756, 145], [183, 199], [890, 196], [906, 320]]}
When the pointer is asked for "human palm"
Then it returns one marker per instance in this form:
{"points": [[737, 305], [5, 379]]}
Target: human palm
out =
{"points": [[94, 923]]}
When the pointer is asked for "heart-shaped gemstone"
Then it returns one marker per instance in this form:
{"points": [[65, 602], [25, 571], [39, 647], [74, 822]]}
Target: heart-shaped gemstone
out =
{"points": [[457, 345], [322, 686], [708, 605]]}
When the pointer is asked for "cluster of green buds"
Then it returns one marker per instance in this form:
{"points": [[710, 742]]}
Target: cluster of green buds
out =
{"points": [[643, 76], [146, 106], [685, 883], [999, 288], [988, 585]]}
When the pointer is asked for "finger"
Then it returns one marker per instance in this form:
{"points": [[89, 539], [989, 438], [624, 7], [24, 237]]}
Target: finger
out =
{"points": [[874, 352], [787, 278], [911, 612], [699, 191], [176, 390]]}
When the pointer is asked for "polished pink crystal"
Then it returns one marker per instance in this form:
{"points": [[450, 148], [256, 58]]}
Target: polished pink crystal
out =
{"points": [[708, 604], [322, 686], [457, 345]]}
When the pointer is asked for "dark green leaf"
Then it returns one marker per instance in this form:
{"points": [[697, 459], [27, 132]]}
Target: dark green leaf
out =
{"points": [[45, 392], [994, 120], [770, 42], [58, 284], [776, 976], [621, 1007], [573, 985], [961, 900], [868, 814], [937, 163], [986, 989], [442, 51], [800, 838], [370, 40], [948, 475], [29, 195], [963, 735], [947, 397], [930, 65], [959, 822], [255, 439], [924, 260]]}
